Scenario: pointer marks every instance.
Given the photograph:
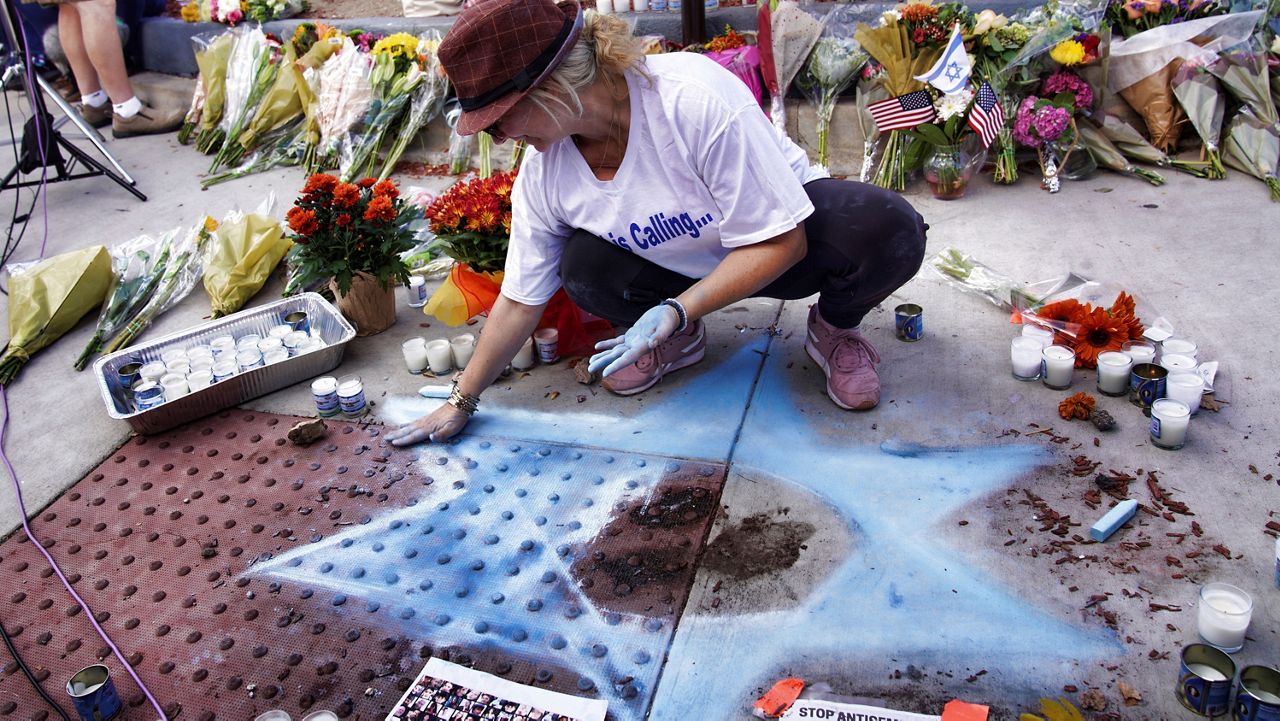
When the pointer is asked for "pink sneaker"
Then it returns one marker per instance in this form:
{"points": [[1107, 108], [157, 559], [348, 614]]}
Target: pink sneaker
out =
{"points": [[681, 350], [849, 361]]}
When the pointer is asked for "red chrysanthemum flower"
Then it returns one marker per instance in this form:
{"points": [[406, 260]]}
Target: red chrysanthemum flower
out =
{"points": [[320, 183], [346, 195], [367, 182], [343, 220], [302, 221], [380, 209], [386, 188]]}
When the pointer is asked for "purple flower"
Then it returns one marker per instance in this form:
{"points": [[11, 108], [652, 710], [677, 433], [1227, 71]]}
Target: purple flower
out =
{"points": [[1064, 81], [1050, 121], [1023, 133]]}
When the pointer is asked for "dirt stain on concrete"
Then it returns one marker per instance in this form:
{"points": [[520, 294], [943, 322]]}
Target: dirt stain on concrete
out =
{"points": [[756, 546]]}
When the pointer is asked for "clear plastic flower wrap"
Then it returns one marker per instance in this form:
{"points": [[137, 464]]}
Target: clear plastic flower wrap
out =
{"points": [[343, 94], [832, 65]]}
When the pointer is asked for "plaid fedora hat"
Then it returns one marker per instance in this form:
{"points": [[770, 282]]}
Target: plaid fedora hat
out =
{"points": [[500, 50]]}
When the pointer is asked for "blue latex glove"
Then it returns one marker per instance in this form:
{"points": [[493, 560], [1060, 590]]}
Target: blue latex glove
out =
{"points": [[655, 326]]}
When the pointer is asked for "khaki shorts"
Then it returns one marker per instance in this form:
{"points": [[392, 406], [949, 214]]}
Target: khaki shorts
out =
{"points": [[50, 3]]}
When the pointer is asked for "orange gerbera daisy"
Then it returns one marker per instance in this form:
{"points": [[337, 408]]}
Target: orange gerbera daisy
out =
{"points": [[1100, 331], [1063, 317], [1124, 310]]}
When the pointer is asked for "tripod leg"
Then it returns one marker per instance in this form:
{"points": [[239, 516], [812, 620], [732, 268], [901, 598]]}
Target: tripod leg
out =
{"points": [[89, 131], [78, 154]]}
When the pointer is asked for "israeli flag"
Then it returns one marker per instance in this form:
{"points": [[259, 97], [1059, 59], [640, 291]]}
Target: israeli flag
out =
{"points": [[951, 73]]}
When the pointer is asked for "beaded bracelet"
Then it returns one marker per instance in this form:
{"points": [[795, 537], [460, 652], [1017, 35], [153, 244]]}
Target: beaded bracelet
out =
{"points": [[680, 311]]}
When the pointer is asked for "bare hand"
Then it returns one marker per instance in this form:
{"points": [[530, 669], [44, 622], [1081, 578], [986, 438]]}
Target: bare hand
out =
{"points": [[440, 425]]}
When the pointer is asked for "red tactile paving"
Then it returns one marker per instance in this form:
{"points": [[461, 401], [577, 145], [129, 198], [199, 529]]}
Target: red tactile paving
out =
{"points": [[159, 537]]}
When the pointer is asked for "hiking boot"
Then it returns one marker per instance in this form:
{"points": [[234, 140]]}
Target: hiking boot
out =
{"points": [[681, 350], [148, 121], [98, 117], [849, 361]]}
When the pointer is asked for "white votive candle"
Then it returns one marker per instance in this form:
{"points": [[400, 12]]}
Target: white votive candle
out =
{"points": [[1223, 616], [1169, 421], [1025, 354], [1187, 388], [200, 379], [463, 346], [1139, 351], [1040, 333], [1113, 373], [1057, 366], [524, 357], [153, 371], [547, 342], [1178, 346], [175, 386], [1175, 363], [415, 354], [439, 356]]}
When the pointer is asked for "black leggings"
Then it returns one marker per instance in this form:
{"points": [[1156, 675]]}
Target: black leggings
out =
{"points": [[864, 243]]}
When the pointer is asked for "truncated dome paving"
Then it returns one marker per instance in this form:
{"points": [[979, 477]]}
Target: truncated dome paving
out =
{"points": [[242, 573]]}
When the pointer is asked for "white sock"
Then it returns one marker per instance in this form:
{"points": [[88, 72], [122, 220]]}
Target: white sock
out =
{"points": [[128, 108], [95, 100]]}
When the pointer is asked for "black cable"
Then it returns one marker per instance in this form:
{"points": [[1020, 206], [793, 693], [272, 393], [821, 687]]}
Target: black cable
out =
{"points": [[27, 672]]}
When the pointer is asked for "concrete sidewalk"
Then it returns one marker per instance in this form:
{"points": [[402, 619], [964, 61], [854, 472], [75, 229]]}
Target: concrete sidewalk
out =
{"points": [[895, 554]]}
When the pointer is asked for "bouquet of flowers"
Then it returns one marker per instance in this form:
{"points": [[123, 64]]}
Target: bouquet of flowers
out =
{"points": [[996, 42], [1048, 125], [346, 229], [279, 108], [786, 34], [1253, 146], [833, 64], [1109, 154], [426, 102], [47, 298], [1157, 41], [472, 221], [1200, 95], [181, 271], [255, 62], [1088, 329], [908, 42], [244, 250], [192, 118], [343, 94], [732, 51], [263, 11], [395, 75], [870, 91], [136, 269], [949, 166], [212, 57]]}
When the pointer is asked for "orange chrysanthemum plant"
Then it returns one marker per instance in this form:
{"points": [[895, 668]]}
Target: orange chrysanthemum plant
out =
{"points": [[472, 221], [1090, 330], [346, 228]]}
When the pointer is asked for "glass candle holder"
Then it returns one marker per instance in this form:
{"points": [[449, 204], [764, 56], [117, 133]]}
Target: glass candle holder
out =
{"points": [[1178, 346], [1223, 616], [1113, 373], [1169, 421], [1177, 363], [463, 346], [1057, 366], [1025, 351], [1040, 333], [439, 356], [1186, 387], [415, 354], [1139, 351]]}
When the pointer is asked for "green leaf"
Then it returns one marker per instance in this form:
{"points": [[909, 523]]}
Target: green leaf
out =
{"points": [[930, 133]]}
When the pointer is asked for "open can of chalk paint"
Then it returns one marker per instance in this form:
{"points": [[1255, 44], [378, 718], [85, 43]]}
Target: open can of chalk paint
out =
{"points": [[94, 694]]}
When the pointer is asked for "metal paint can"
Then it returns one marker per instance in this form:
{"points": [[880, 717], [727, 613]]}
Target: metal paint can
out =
{"points": [[1258, 694], [128, 376], [1205, 678], [94, 694], [908, 321], [297, 320], [1147, 384]]}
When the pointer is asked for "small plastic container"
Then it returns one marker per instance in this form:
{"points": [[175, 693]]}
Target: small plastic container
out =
{"points": [[351, 396]]}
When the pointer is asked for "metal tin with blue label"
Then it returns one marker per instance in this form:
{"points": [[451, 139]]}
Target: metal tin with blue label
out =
{"points": [[1147, 384], [1205, 678], [1258, 694], [298, 320], [94, 694], [128, 376], [908, 322], [147, 394]]}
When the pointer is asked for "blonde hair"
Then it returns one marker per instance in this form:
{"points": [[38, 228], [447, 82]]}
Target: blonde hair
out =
{"points": [[604, 47]]}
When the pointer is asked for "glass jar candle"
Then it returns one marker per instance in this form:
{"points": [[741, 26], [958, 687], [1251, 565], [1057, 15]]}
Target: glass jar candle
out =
{"points": [[1113, 373], [1057, 366], [1040, 333], [1178, 346], [1025, 351], [1223, 616], [1139, 351], [415, 354], [1186, 387], [439, 356], [1169, 421]]}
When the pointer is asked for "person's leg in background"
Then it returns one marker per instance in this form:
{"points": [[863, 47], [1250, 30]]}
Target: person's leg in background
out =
{"points": [[619, 286], [864, 243], [87, 30]]}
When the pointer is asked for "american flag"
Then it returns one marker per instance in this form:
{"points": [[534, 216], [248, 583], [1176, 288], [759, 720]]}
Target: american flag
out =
{"points": [[904, 111], [987, 116]]}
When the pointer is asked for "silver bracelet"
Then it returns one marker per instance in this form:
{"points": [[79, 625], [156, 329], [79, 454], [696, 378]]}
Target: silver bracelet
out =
{"points": [[680, 311], [464, 402]]}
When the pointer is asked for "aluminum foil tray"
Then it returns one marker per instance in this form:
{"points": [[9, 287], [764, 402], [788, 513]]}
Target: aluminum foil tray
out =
{"points": [[324, 318]]}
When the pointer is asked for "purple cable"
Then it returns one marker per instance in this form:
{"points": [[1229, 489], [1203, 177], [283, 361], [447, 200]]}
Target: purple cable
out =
{"points": [[4, 428]]}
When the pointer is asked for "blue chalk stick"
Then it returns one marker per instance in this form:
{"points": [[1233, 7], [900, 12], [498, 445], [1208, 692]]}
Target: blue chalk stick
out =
{"points": [[435, 391], [1114, 519]]}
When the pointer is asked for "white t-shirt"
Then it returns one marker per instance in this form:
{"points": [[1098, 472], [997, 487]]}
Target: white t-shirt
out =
{"points": [[704, 172]]}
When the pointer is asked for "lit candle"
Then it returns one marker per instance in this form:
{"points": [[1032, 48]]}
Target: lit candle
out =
{"points": [[1169, 421], [1041, 334], [524, 357], [1224, 615], [1178, 346], [463, 347], [439, 356], [415, 354], [1113, 373], [1025, 353], [1057, 364], [1187, 388], [1139, 351]]}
